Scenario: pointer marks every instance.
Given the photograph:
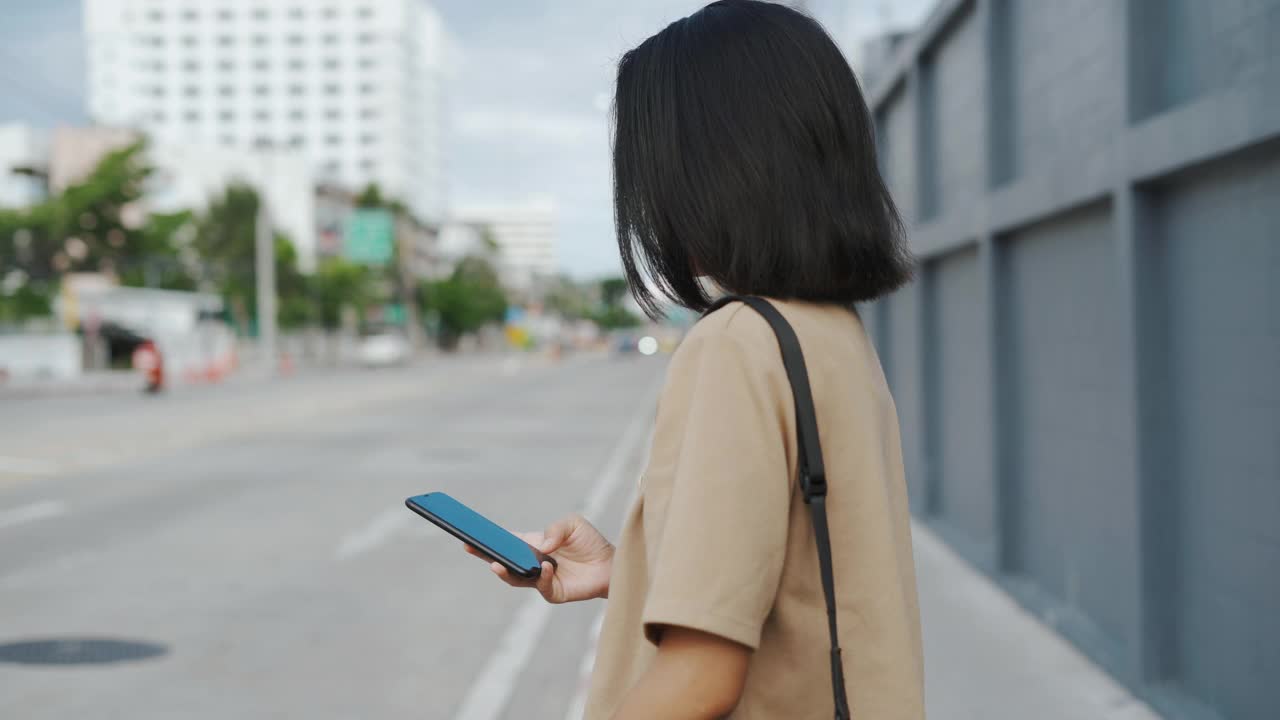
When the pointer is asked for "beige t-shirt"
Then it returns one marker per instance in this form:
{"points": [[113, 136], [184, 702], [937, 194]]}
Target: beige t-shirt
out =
{"points": [[720, 539]]}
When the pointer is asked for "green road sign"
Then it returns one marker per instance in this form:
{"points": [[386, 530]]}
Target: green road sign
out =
{"points": [[369, 237]]}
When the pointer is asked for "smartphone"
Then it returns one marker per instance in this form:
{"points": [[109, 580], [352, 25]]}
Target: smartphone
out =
{"points": [[517, 556]]}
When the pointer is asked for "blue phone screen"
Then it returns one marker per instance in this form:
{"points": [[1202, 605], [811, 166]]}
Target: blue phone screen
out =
{"points": [[484, 530]]}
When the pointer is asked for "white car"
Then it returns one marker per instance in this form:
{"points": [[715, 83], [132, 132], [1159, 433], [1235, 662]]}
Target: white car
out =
{"points": [[383, 350]]}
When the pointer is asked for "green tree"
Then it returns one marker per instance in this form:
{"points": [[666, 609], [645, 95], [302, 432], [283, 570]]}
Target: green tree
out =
{"points": [[159, 262], [470, 298], [612, 291], [612, 315], [226, 241], [339, 283], [83, 228], [567, 298]]}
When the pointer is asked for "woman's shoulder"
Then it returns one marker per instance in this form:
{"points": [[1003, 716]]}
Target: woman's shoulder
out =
{"points": [[735, 324]]}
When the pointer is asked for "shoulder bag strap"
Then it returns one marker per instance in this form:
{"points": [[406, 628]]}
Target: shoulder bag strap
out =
{"points": [[813, 478]]}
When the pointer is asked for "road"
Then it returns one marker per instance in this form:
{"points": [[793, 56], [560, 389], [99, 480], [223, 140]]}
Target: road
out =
{"points": [[243, 551]]}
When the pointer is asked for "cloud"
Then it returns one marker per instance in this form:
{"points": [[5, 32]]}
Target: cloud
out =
{"points": [[543, 126]]}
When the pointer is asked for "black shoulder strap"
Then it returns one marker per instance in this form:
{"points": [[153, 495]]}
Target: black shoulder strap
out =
{"points": [[813, 477]]}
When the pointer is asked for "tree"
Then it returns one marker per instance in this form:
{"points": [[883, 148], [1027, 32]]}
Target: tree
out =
{"points": [[339, 283], [470, 298], [612, 315], [567, 299], [85, 228], [159, 262], [226, 241], [612, 290]]}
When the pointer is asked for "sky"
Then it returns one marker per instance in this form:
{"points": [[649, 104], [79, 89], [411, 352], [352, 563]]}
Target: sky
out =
{"points": [[527, 91]]}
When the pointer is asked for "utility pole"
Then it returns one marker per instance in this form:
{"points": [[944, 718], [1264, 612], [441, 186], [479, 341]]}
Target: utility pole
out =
{"points": [[265, 274]]}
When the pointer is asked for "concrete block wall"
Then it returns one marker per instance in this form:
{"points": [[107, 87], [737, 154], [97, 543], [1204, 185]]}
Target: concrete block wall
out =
{"points": [[1087, 369]]}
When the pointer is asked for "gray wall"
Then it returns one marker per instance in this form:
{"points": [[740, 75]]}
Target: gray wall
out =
{"points": [[1087, 370]]}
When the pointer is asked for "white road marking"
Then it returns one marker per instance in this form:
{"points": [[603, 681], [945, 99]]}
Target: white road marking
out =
{"points": [[382, 528], [26, 466], [31, 513], [488, 695]]}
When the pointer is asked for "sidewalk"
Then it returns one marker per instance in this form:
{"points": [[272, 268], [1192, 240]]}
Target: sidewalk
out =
{"points": [[988, 659]]}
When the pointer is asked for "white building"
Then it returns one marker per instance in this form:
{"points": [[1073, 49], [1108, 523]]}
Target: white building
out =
{"points": [[24, 156], [525, 235], [354, 84]]}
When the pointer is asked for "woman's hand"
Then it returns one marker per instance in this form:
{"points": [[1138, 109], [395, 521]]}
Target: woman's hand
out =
{"points": [[584, 561]]}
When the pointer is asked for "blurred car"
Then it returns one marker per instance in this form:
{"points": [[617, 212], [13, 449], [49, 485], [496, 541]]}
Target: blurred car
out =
{"points": [[624, 343], [383, 349]]}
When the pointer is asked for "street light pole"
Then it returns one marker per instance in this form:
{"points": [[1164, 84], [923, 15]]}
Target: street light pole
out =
{"points": [[265, 275]]}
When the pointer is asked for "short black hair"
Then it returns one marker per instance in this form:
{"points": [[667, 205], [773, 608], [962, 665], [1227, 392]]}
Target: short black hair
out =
{"points": [[743, 151]]}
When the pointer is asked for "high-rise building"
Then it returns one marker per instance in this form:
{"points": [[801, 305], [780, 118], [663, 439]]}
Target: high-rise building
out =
{"points": [[353, 84], [525, 236]]}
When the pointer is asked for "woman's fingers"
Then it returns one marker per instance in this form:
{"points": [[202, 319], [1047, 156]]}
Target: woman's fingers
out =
{"points": [[546, 581], [557, 534]]}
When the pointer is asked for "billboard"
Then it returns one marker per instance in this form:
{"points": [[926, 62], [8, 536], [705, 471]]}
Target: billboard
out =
{"points": [[369, 238]]}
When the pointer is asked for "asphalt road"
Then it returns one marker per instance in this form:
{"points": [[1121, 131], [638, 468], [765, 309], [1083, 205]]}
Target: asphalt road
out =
{"points": [[243, 551]]}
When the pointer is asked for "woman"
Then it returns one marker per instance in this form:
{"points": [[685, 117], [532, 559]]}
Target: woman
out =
{"points": [[744, 158]]}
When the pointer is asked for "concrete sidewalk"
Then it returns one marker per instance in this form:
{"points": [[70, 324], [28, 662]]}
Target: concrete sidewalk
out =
{"points": [[988, 659]]}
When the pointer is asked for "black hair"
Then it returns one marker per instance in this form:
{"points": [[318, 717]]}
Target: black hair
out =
{"points": [[743, 151]]}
